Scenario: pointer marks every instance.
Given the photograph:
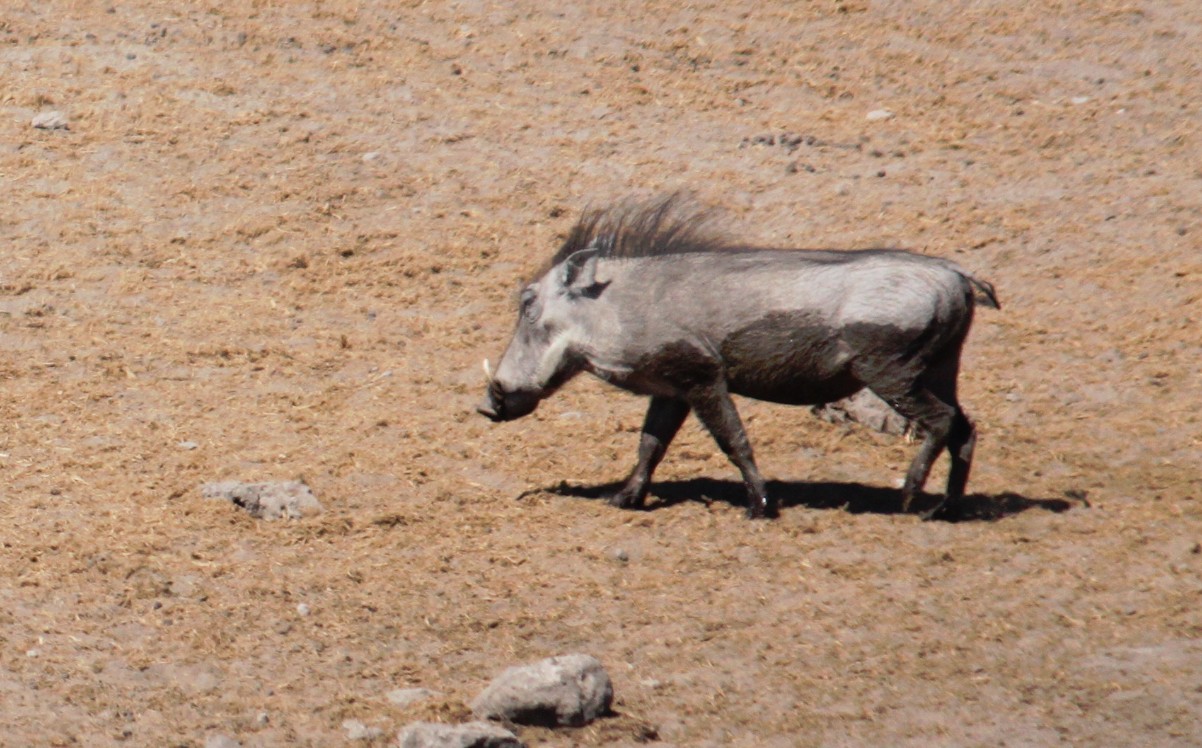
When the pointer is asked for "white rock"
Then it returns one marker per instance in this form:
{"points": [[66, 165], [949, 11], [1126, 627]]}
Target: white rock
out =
{"points": [[275, 500], [467, 735], [52, 120], [879, 115]]}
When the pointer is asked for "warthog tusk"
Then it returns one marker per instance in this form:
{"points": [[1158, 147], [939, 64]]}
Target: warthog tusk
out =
{"points": [[488, 370]]}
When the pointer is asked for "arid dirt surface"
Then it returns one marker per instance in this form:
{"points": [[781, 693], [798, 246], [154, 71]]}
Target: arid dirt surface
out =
{"points": [[276, 239]]}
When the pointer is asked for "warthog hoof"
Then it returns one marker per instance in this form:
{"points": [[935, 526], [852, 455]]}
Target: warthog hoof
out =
{"points": [[762, 508], [625, 499]]}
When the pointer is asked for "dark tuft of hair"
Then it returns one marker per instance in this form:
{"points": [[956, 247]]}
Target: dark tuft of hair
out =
{"points": [[664, 226]]}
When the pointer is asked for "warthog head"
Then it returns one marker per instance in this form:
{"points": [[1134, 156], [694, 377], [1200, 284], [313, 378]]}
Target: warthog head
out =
{"points": [[546, 348]]}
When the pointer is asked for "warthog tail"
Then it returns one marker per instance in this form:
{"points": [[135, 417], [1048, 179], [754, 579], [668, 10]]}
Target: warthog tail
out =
{"points": [[986, 296]]}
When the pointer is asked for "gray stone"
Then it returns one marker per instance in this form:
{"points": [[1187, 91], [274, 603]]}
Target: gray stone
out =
{"points": [[866, 408], [274, 500], [571, 690], [468, 735]]}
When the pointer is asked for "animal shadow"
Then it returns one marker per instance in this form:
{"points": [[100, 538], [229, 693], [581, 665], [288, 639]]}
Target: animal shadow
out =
{"points": [[856, 498]]}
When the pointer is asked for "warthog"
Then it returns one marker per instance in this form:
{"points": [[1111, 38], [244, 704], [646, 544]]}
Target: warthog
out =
{"points": [[644, 297]]}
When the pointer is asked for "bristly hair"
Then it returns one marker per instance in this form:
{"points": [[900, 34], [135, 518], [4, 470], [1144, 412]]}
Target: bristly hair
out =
{"points": [[664, 226]]}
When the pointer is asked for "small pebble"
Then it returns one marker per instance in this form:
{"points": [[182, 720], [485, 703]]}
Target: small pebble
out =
{"points": [[187, 445], [621, 555], [879, 115], [356, 730], [302, 609]]}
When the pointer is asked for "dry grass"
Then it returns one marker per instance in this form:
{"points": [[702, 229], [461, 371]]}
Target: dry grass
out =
{"points": [[287, 233]]}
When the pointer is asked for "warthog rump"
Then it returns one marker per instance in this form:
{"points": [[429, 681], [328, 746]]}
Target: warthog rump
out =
{"points": [[645, 298]]}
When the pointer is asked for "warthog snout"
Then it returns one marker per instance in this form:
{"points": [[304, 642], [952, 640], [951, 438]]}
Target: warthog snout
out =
{"points": [[499, 405], [492, 406]]}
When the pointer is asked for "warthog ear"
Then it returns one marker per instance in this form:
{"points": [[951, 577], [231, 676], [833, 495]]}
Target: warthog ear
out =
{"points": [[579, 272]]}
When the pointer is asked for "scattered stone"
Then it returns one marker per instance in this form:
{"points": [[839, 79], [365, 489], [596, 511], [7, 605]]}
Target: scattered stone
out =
{"points": [[303, 609], [879, 115], [1079, 100], [371, 156], [467, 735], [53, 120], [221, 741], [407, 696], [571, 690], [273, 500], [187, 445], [356, 730], [791, 141], [866, 408], [620, 555]]}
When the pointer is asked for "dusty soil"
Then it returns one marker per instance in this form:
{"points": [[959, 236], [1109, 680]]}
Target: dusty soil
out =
{"points": [[276, 240]]}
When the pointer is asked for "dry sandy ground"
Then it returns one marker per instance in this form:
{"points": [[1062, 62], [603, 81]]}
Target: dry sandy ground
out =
{"points": [[278, 237]]}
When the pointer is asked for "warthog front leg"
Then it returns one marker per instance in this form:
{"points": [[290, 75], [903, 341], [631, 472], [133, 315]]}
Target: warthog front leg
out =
{"points": [[717, 411], [663, 420]]}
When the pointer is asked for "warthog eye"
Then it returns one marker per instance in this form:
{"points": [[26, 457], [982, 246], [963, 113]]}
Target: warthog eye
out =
{"points": [[526, 305]]}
